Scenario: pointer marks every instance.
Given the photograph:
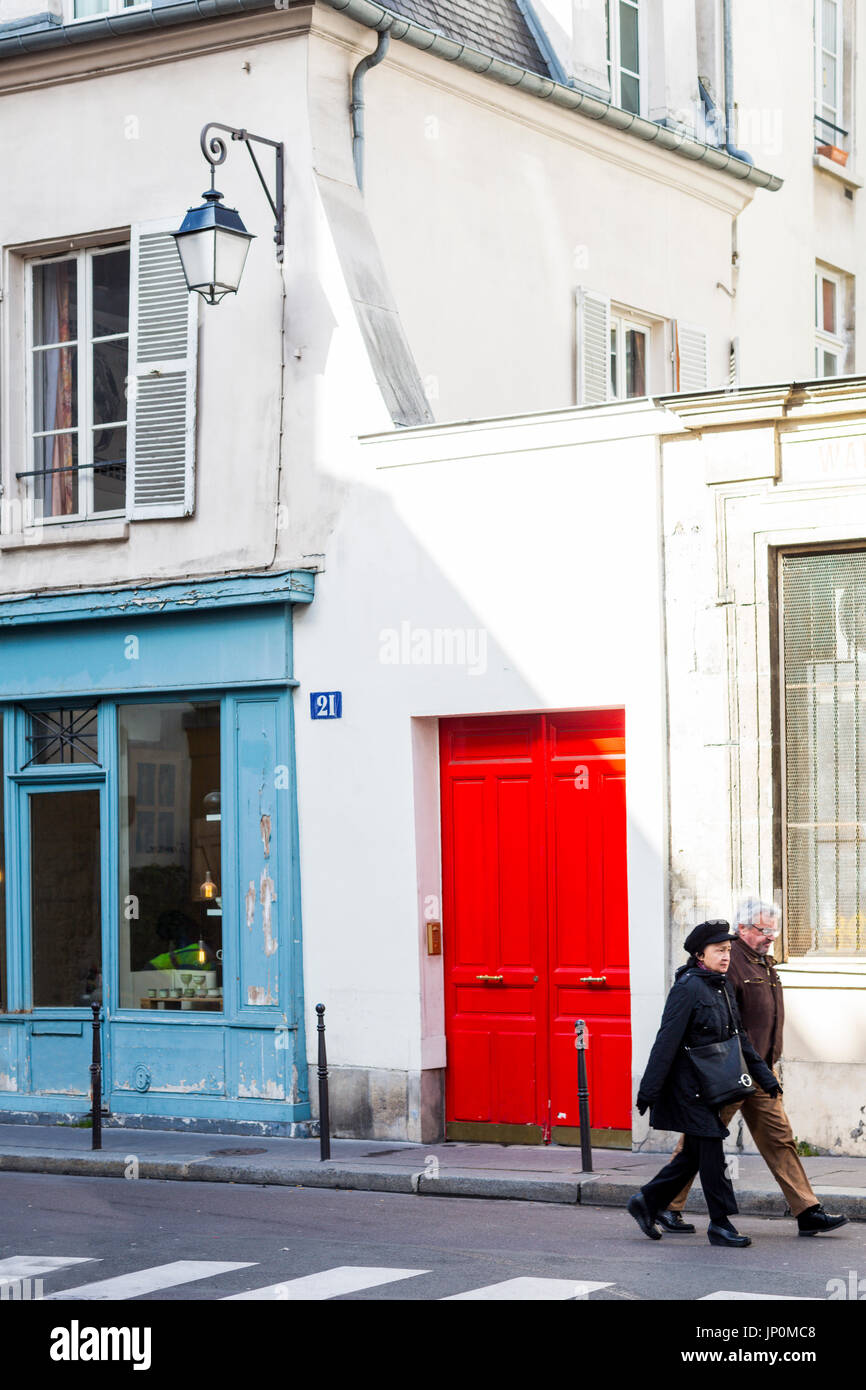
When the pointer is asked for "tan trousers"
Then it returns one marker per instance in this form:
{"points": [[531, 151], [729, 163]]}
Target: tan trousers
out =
{"points": [[771, 1130]]}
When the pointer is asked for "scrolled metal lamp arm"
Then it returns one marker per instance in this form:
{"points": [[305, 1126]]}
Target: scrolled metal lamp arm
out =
{"points": [[215, 150]]}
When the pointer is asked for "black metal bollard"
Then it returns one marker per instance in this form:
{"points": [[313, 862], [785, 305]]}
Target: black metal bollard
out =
{"points": [[583, 1097], [96, 1083], [324, 1118]]}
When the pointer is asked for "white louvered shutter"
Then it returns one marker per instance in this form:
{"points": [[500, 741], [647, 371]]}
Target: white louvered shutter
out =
{"points": [[691, 357], [162, 377], [593, 348]]}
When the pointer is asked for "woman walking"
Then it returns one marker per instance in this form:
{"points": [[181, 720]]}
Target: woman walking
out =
{"points": [[700, 1009]]}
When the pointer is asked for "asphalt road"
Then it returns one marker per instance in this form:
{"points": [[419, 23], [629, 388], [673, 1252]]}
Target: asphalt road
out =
{"points": [[208, 1241]]}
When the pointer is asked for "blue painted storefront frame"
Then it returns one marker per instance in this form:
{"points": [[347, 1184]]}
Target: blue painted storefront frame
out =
{"points": [[207, 621]]}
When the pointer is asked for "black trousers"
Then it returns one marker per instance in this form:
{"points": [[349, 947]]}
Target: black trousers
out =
{"points": [[698, 1155]]}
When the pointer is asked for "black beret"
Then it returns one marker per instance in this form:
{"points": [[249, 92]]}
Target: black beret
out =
{"points": [[706, 933]]}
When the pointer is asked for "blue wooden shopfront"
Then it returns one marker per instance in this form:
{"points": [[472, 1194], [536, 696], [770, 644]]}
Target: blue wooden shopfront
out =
{"points": [[150, 854]]}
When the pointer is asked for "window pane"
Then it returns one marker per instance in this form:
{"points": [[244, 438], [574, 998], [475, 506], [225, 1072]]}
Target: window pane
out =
{"points": [[55, 297], [63, 736], [55, 389], [109, 380], [635, 362], [824, 653], [629, 94], [828, 30], [84, 8], [170, 865], [628, 36], [614, 383], [57, 491], [831, 364], [828, 85], [65, 899], [109, 482], [110, 274], [828, 300]]}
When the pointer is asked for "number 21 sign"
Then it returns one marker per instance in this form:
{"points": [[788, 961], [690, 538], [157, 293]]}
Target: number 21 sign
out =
{"points": [[326, 704]]}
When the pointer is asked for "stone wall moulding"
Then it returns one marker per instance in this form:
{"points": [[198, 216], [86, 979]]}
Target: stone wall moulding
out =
{"points": [[745, 456]]}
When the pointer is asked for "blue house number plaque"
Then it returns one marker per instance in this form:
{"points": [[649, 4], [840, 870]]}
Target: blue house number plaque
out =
{"points": [[326, 704]]}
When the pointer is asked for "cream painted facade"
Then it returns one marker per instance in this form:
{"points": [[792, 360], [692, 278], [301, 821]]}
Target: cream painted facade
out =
{"points": [[756, 475], [447, 293], [706, 491]]}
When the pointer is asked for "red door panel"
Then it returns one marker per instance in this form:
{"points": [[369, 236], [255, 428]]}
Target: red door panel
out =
{"points": [[493, 894], [588, 914], [535, 896]]}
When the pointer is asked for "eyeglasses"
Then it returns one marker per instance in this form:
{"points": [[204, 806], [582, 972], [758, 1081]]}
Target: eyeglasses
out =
{"points": [[771, 932]]}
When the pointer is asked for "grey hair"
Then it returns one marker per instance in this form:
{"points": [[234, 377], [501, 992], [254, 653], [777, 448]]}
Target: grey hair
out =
{"points": [[751, 910]]}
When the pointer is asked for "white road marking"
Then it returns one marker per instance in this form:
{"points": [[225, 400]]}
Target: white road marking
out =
{"points": [[149, 1280], [330, 1283], [32, 1266], [532, 1289], [773, 1297]]}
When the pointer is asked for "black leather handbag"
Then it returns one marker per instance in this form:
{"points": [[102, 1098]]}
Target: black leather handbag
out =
{"points": [[721, 1068]]}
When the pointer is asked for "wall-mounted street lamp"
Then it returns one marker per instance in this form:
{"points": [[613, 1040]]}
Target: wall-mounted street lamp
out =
{"points": [[212, 241]]}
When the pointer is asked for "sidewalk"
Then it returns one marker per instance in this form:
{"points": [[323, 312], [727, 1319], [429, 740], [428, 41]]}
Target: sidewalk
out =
{"points": [[524, 1173]]}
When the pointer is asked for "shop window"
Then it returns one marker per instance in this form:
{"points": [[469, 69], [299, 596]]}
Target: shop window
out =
{"points": [[65, 921], [170, 856], [824, 671], [4, 998]]}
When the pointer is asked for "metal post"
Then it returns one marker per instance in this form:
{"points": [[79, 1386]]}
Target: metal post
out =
{"points": [[96, 1083], [583, 1097], [324, 1118]]}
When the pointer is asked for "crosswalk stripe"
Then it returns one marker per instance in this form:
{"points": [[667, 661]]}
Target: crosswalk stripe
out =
{"points": [[532, 1289], [330, 1283], [149, 1280], [738, 1294], [32, 1266]]}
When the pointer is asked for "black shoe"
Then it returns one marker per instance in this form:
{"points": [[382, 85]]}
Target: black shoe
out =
{"points": [[672, 1221], [816, 1220], [725, 1235], [637, 1207]]}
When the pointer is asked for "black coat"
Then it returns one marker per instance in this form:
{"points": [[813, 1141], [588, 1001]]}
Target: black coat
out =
{"points": [[695, 1013]]}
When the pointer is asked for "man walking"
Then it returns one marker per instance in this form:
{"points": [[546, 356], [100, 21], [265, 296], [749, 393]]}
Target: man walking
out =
{"points": [[758, 991]]}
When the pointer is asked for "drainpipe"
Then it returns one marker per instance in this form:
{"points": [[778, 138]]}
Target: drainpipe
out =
{"points": [[357, 107], [729, 88]]}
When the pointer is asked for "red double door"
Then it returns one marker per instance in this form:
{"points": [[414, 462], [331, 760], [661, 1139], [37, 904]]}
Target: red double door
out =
{"points": [[535, 924]]}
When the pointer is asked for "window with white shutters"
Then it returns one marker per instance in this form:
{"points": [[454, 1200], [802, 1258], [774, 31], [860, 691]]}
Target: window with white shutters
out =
{"points": [[593, 348], [823, 607], [691, 357], [162, 378]]}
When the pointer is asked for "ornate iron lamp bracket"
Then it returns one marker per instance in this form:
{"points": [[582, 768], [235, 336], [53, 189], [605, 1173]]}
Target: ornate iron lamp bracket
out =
{"points": [[215, 149]]}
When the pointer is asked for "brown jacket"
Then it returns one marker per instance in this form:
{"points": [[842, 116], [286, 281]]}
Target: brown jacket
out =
{"points": [[759, 996]]}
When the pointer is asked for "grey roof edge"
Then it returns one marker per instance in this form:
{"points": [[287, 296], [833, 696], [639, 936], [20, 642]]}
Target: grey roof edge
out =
{"points": [[378, 17]]}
